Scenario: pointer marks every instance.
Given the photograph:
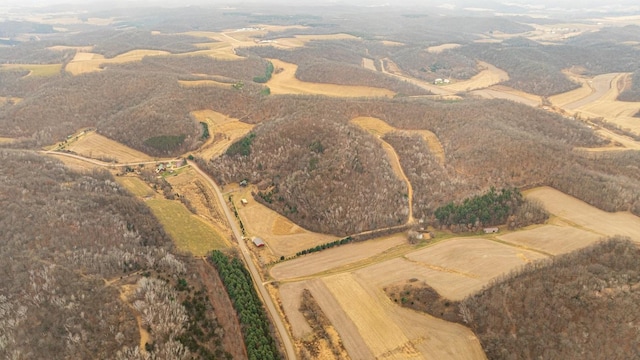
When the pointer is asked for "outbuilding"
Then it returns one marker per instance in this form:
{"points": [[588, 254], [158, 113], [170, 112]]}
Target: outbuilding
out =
{"points": [[491, 230], [258, 242]]}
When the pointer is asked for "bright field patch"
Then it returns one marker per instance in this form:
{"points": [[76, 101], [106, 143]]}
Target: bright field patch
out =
{"points": [[188, 232], [261, 221], [136, 186], [284, 81], [36, 70], [96, 146], [586, 216], [489, 75], [552, 239], [393, 332], [473, 258], [89, 62], [223, 130], [198, 83], [336, 257]]}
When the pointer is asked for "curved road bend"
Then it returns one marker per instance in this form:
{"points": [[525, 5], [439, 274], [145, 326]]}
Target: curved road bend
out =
{"points": [[257, 280]]}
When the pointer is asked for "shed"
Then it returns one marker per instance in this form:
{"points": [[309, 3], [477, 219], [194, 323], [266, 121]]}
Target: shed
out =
{"points": [[491, 230], [244, 201], [258, 242]]}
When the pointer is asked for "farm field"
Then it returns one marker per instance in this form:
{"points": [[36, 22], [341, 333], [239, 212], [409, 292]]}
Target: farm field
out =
{"points": [[379, 128], [36, 69], [554, 239], [96, 146], [585, 216], [573, 96], [188, 231], [9, 99], [302, 40], [283, 238], [223, 132], [85, 62], [136, 186], [488, 76], [5, 140], [507, 93], [319, 262], [471, 258], [392, 332], [442, 47], [197, 83], [368, 64], [285, 82], [75, 164]]}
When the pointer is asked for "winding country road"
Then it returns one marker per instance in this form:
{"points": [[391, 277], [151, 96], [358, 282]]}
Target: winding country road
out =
{"points": [[255, 274]]}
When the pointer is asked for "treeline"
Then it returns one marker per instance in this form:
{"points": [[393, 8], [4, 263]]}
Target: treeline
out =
{"points": [[325, 246], [489, 209], [267, 74], [334, 175], [579, 305], [256, 327]]}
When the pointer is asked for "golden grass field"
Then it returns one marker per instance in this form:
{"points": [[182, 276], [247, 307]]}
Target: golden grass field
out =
{"points": [[188, 231], [224, 130], [369, 64], [6, 140], [579, 214], [554, 239], [302, 40], [285, 82], [36, 69], [267, 224], [507, 93], [393, 332], [442, 47], [380, 128], [489, 75], [569, 97], [85, 62], [198, 83], [460, 261], [6, 99], [96, 146], [135, 186]]}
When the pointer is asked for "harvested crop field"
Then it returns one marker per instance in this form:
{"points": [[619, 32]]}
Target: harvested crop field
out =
{"points": [[198, 83], [261, 221], [586, 216], [552, 239], [440, 48], [314, 263], [96, 146], [475, 258], [489, 75], [85, 62], [188, 231], [223, 130], [507, 93], [573, 96], [380, 128], [285, 82], [392, 332], [4, 140], [302, 40], [369, 64]]}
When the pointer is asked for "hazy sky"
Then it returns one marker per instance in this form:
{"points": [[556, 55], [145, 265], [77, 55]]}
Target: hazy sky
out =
{"points": [[629, 6]]}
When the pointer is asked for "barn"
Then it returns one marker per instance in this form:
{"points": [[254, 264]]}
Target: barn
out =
{"points": [[258, 242]]}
